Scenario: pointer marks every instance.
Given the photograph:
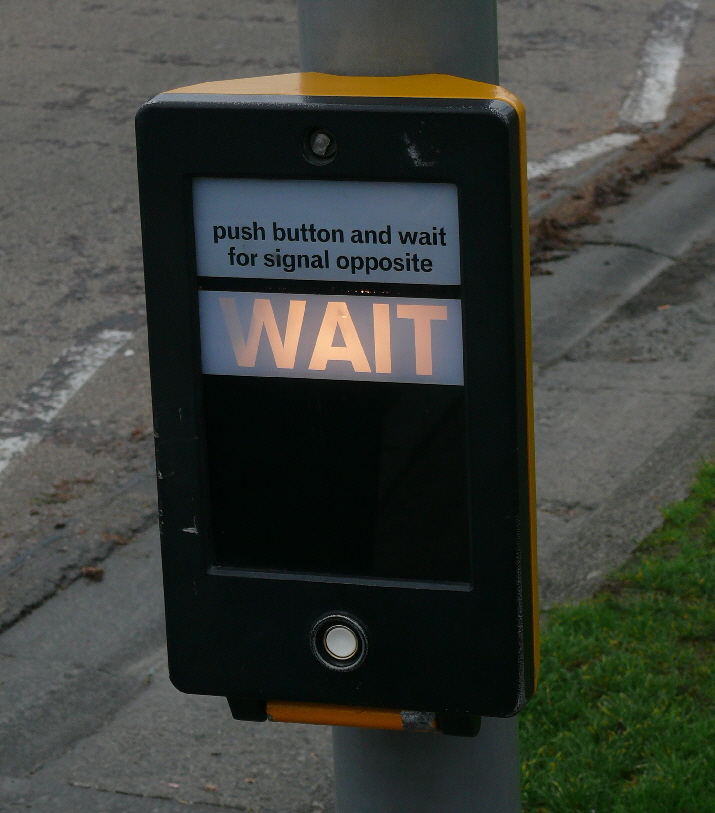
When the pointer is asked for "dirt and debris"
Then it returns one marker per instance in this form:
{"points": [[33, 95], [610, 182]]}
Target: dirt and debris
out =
{"points": [[115, 539], [63, 491], [551, 240], [554, 237], [92, 573], [139, 433]]}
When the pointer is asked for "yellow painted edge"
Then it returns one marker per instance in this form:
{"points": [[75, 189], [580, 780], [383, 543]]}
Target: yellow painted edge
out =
{"points": [[283, 711], [419, 86], [529, 394]]}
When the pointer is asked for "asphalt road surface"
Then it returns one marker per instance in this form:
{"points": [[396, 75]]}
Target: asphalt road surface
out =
{"points": [[83, 688], [78, 479]]}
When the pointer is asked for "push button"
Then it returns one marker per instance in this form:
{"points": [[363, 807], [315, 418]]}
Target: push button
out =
{"points": [[341, 642], [338, 642]]}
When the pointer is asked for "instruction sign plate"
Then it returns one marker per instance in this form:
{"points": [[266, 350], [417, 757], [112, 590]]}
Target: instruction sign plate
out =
{"points": [[383, 232]]}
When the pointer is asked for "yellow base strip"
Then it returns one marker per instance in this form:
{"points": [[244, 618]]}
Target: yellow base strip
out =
{"points": [[281, 711]]}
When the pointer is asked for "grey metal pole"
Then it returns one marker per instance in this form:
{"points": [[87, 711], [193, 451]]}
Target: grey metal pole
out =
{"points": [[388, 771], [400, 37], [397, 772]]}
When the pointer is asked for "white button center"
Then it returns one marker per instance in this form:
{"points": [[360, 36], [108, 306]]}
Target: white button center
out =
{"points": [[341, 642]]}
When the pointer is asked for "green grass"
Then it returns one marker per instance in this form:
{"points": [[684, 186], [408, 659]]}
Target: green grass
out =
{"points": [[624, 717]]}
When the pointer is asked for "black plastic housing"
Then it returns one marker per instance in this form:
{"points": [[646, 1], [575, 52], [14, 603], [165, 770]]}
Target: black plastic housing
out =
{"points": [[462, 649]]}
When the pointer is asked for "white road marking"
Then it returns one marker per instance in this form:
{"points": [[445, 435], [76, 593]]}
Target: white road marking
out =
{"points": [[654, 86], [581, 152], [650, 95], [21, 425]]}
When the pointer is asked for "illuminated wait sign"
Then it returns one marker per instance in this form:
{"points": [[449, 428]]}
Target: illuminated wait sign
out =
{"points": [[363, 338]]}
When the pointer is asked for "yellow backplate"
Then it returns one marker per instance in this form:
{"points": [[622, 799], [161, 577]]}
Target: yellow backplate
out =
{"points": [[420, 86], [280, 711]]}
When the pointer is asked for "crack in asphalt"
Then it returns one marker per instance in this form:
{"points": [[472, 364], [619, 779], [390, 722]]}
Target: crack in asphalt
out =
{"points": [[636, 246]]}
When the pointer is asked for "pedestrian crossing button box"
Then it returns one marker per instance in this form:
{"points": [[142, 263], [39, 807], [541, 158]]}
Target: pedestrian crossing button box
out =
{"points": [[337, 304]]}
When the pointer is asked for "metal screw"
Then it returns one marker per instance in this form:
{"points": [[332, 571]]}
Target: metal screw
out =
{"points": [[321, 143]]}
